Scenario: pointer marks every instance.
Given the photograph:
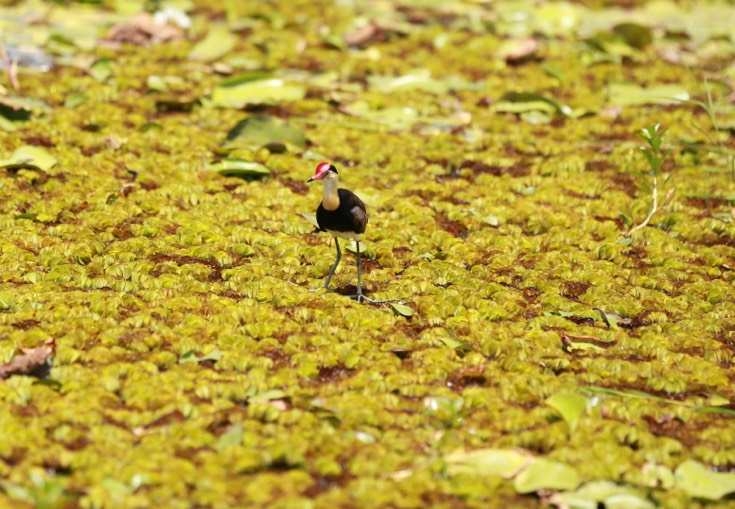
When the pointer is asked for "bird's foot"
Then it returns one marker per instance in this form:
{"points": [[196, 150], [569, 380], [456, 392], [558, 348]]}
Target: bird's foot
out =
{"points": [[361, 297]]}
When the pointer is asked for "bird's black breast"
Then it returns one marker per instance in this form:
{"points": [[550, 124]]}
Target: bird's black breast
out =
{"points": [[350, 216]]}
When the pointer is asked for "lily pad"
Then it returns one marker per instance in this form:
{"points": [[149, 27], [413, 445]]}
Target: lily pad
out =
{"points": [[248, 170], [402, 309], [262, 130], [601, 493], [266, 396], [230, 438], [263, 91], [635, 35], [505, 463], [218, 42], [629, 94], [395, 118], [570, 405], [18, 109], [699, 481], [29, 156], [419, 79], [12, 111], [546, 474], [75, 99], [165, 83], [518, 50], [527, 102], [101, 70]]}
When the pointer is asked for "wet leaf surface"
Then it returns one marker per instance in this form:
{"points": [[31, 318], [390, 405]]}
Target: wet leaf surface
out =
{"points": [[546, 474], [699, 481], [240, 168], [29, 361], [199, 361], [216, 44], [29, 157], [402, 309], [488, 462], [607, 494], [570, 406], [623, 94], [261, 91], [259, 131]]}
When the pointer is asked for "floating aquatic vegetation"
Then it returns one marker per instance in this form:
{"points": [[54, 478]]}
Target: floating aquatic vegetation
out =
{"points": [[535, 108], [523, 343], [144, 29], [505, 463], [29, 157], [264, 131], [570, 406], [238, 93], [101, 70], [240, 168], [699, 481], [29, 361], [610, 495], [543, 474], [627, 94], [217, 43], [419, 79]]}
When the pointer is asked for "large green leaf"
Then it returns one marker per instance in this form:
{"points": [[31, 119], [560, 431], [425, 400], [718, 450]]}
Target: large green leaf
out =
{"points": [[402, 309], [394, 118], [230, 438], [261, 91], [608, 494], [699, 481], [18, 109], [501, 462], [546, 474], [29, 156], [419, 79], [570, 405], [101, 70], [630, 94], [261, 130], [248, 170], [528, 102], [217, 43]]}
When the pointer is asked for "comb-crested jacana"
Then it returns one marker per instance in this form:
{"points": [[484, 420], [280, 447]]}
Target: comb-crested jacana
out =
{"points": [[341, 213]]}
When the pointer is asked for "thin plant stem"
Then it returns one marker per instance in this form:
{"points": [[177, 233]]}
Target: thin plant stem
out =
{"points": [[651, 212]]}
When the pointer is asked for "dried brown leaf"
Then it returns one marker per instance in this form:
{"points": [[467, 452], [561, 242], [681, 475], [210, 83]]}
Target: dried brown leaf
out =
{"points": [[29, 361], [365, 35], [520, 50], [142, 30]]}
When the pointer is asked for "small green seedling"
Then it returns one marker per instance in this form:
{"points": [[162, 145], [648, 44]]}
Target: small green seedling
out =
{"points": [[655, 156], [653, 136]]}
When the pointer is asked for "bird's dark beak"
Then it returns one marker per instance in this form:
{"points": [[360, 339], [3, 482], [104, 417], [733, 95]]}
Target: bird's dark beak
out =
{"points": [[310, 179]]}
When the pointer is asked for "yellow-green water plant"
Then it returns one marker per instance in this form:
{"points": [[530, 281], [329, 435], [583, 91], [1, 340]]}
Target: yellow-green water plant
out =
{"points": [[193, 365], [654, 154]]}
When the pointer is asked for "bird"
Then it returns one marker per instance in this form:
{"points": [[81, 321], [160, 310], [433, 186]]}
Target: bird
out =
{"points": [[342, 214]]}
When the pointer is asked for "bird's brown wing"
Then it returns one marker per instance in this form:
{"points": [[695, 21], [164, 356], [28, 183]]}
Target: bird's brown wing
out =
{"points": [[359, 218], [355, 210]]}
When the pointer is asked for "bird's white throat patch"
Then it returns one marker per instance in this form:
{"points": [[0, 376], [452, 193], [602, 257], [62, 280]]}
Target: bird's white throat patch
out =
{"points": [[330, 201]]}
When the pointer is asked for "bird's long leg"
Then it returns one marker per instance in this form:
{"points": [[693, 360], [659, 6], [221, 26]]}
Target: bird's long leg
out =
{"points": [[333, 268], [359, 295], [359, 273]]}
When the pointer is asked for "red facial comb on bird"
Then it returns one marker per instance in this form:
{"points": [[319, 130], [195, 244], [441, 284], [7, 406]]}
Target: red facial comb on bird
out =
{"points": [[341, 213], [321, 171]]}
